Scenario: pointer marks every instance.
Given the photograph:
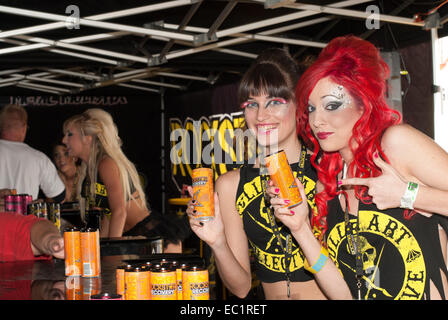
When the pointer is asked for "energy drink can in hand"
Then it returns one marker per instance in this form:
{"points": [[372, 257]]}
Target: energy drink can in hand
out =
{"points": [[281, 173], [203, 193]]}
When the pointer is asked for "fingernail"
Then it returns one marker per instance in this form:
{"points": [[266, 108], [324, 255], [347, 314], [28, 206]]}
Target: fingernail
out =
{"points": [[277, 190], [376, 155], [339, 183], [292, 212], [287, 201]]}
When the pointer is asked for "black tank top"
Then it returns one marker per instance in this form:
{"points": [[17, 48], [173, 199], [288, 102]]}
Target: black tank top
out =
{"points": [[269, 255], [101, 199], [400, 257]]}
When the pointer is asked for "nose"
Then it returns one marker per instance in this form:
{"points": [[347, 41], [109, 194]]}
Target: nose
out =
{"points": [[316, 118], [262, 113], [64, 139]]}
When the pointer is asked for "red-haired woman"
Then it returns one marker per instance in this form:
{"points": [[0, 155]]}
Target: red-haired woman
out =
{"points": [[382, 197]]}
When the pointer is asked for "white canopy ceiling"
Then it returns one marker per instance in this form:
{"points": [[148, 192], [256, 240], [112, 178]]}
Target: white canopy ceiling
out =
{"points": [[149, 46]]}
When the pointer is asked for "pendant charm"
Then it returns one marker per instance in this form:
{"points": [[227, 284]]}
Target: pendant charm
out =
{"points": [[288, 289], [358, 284]]}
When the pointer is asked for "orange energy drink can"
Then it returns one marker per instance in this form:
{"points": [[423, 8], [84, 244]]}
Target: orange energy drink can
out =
{"points": [[73, 288], [72, 248], [163, 283], [195, 284], [146, 267], [281, 173], [202, 179], [179, 267], [136, 284], [90, 286], [119, 273], [90, 252]]}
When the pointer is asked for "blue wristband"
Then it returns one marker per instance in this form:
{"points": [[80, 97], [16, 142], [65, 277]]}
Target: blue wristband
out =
{"points": [[316, 267]]}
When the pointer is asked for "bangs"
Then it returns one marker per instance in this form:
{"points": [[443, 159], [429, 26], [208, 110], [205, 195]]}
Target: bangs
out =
{"points": [[265, 79]]}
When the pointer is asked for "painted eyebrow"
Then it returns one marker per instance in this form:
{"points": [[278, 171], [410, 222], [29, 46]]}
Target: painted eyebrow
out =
{"points": [[329, 95]]}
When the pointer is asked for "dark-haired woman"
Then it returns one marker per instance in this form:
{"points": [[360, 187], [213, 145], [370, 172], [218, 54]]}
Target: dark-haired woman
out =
{"points": [[243, 216]]}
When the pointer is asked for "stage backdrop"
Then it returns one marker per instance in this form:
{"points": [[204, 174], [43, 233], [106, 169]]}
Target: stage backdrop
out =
{"points": [[136, 116], [201, 127]]}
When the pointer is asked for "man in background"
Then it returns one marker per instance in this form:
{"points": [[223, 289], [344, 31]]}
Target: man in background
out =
{"points": [[21, 167]]}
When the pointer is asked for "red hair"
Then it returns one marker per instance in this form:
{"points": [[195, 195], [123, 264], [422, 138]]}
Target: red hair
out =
{"points": [[357, 65]]}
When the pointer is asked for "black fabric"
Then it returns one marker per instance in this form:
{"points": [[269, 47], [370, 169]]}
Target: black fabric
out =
{"points": [[269, 256], [60, 197], [100, 200], [168, 226], [400, 256]]}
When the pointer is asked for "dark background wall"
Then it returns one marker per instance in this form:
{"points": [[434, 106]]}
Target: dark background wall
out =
{"points": [[139, 118], [138, 122]]}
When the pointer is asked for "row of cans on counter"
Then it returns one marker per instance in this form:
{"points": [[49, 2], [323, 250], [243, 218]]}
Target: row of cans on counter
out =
{"points": [[82, 252], [23, 204], [18, 203], [163, 280]]}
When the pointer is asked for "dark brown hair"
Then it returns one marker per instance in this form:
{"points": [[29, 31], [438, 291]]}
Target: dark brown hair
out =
{"points": [[274, 73]]}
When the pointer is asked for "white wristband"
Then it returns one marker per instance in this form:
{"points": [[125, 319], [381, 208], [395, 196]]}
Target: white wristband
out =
{"points": [[409, 196]]}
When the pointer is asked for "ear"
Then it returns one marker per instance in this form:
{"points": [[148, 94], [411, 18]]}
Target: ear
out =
{"points": [[87, 140]]}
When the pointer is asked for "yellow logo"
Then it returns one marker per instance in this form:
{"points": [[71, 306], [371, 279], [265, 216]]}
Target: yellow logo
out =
{"points": [[271, 256], [381, 235]]}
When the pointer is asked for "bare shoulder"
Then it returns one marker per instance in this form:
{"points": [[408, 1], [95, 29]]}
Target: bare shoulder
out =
{"points": [[107, 166], [403, 140], [400, 134], [226, 187], [228, 181], [411, 151]]}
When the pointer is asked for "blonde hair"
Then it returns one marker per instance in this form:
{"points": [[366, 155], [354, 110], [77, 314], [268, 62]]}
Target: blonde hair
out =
{"points": [[99, 124]]}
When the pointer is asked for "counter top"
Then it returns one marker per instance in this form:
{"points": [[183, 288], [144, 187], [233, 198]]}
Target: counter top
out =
{"points": [[46, 280]]}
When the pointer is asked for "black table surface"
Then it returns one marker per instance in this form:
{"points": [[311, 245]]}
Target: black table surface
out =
{"points": [[46, 280]]}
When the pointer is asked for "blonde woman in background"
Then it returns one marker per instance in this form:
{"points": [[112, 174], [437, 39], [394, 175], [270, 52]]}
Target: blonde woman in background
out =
{"points": [[111, 182]]}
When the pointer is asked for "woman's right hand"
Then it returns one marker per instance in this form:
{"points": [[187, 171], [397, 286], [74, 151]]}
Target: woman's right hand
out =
{"points": [[294, 218], [212, 231]]}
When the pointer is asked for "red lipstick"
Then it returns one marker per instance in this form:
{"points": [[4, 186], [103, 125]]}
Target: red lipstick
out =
{"points": [[323, 135]]}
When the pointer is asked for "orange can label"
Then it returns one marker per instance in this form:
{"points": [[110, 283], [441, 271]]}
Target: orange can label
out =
{"points": [[119, 274], [202, 179], [72, 248], [137, 284], [179, 283], [90, 287], [73, 288], [90, 253], [163, 285], [281, 173], [196, 285]]}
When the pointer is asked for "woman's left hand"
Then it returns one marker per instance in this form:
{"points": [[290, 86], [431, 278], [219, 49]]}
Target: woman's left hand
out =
{"points": [[386, 190], [294, 218]]}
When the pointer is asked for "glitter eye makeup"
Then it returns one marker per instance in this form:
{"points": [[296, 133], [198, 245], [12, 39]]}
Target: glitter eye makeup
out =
{"points": [[340, 93]]}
